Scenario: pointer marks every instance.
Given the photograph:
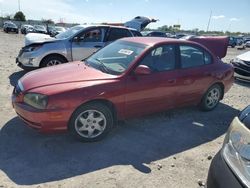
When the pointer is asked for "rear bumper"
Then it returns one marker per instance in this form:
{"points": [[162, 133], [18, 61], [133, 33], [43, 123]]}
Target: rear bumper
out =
{"points": [[220, 175]]}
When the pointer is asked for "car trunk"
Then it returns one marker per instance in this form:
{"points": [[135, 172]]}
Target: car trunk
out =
{"points": [[217, 45]]}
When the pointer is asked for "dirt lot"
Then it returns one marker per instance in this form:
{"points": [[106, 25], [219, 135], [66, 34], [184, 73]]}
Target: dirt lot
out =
{"points": [[169, 149]]}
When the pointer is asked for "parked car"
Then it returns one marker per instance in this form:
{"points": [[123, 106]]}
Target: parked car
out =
{"points": [[10, 27], [230, 166], [26, 28], [59, 30], [247, 44], [154, 34], [181, 35], [53, 31], [232, 42], [120, 81], [246, 39], [74, 44], [242, 66], [39, 29], [240, 40]]}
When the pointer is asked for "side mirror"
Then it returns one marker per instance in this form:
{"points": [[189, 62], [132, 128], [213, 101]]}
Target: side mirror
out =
{"points": [[142, 70], [76, 39]]}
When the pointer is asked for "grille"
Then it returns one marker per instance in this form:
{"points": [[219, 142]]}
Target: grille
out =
{"points": [[247, 62]]}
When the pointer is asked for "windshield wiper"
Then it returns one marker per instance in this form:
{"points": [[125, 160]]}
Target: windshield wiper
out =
{"points": [[102, 66]]}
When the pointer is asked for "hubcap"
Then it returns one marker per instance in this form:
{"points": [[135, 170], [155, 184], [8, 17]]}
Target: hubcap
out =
{"points": [[90, 123], [213, 97], [53, 62]]}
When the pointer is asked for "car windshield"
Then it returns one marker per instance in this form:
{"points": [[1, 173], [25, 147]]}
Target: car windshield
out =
{"points": [[117, 57], [70, 32], [39, 27], [11, 25]]}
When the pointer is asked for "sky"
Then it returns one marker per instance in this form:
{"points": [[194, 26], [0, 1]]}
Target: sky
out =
{"points": [[231, 15]]}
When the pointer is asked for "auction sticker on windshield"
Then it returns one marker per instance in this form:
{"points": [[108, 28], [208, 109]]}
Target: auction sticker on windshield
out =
{"points": [[125, 51]]}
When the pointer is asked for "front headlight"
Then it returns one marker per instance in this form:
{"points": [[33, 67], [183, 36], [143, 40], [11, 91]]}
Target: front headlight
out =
{"points": [[31, 48], [236, 150], [36, 100]]}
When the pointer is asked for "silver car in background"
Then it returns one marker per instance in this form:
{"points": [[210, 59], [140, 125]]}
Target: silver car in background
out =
{"points": [[76, 43]]}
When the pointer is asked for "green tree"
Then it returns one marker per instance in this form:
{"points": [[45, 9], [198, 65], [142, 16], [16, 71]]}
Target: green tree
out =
{"points": [[19, 16]]}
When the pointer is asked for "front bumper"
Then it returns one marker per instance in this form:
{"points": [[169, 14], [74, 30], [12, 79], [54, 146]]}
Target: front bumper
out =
{"points": [[46, 121], [28, 59], [242, 70], [220, 175]]}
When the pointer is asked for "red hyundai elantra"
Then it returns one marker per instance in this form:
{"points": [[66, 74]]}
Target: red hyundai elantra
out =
{"points": [[128, 78]]}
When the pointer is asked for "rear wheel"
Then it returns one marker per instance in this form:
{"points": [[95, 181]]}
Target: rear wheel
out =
{"points": [[211, 98], [52, 61], [91, 122]]}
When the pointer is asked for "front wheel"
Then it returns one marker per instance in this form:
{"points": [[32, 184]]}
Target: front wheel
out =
{"points": [[52, 61], [211, 98], [91, 122]]}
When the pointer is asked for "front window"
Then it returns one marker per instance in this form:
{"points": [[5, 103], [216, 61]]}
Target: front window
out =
{"points": [[160, 59], [116, 58], [94, 35], [70, 32]]}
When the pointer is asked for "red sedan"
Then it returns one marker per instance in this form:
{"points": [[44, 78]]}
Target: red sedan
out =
{"points": [[128, 78]]}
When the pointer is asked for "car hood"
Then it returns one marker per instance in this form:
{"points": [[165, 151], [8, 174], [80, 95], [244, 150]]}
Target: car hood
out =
{"points": [[217, 45], [31, 38], [245, 56], [62, 74]]}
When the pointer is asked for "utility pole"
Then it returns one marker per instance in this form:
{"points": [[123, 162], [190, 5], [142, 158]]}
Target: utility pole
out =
{"points": [[208, 24], [19, 5]]}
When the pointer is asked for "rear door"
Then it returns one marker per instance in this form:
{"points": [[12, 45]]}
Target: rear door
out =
{"points": [[195, 73], [87, 43]]}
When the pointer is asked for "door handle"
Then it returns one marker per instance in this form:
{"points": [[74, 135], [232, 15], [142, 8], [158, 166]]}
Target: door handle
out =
{"points": [[207, 74], [171, 81], [97, 46]]}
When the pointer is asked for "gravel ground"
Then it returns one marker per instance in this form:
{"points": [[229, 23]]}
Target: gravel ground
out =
{"points": [[168, 149]]}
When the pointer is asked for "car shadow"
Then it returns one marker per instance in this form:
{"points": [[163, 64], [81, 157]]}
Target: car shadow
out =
{"points": [[29, 158], [14, 77]]}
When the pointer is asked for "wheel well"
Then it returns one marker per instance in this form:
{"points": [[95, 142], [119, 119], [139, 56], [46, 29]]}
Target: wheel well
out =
{"points": [[221, 86], [50, 55], [107, 103]]}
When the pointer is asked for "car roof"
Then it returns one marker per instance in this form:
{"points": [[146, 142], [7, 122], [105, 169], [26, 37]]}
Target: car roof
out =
{"points": [[151, 41], [101, 25]]}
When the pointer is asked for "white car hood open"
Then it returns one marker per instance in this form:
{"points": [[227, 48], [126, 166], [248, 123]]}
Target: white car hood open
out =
{"points": [[31, 38], [245, 56]]}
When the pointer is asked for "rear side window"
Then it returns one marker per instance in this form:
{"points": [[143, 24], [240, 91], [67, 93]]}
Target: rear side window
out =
{"points": [[117, 33], [136, 33], [193, 57]]}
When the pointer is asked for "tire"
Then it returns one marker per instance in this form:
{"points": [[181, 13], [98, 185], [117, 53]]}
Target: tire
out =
{"points": [[52, 60], [91, 122], [211, 98]]}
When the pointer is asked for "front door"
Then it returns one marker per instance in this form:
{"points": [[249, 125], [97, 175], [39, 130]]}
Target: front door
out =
{"points": [[87, 43], [156, 91]]}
